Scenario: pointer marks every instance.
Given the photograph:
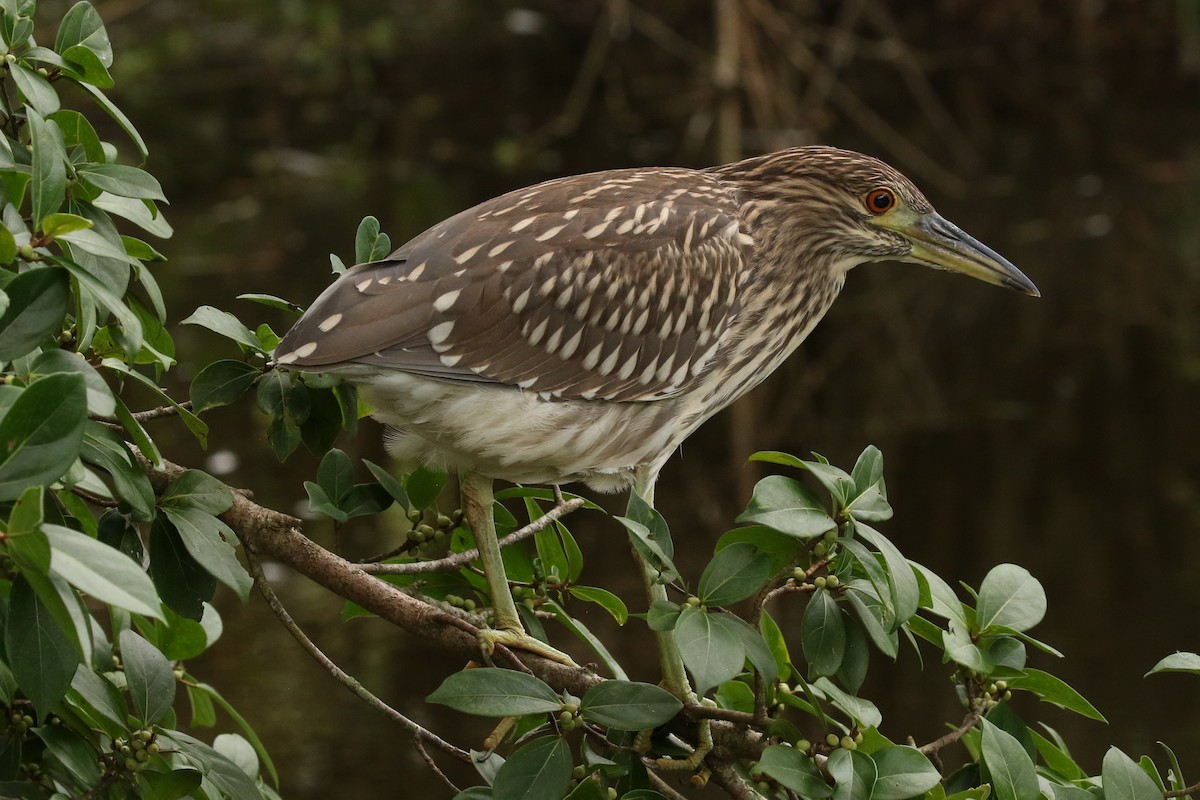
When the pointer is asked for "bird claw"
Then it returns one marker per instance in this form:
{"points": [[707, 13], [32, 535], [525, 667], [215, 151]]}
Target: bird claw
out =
{"points": [[520, 640]]}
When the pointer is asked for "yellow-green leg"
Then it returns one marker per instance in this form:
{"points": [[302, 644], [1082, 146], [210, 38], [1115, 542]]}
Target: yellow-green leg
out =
{"points": [[506, 623], [675, 678]]}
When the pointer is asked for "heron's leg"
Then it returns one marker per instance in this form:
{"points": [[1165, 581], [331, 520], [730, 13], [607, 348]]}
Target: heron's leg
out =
{"points": [[506, 623], [675, 678]]}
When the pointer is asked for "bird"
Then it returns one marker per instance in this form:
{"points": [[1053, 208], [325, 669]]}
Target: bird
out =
{"points": [[582, 328]]}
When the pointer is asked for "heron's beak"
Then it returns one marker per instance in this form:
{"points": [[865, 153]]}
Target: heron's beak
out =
{"points": [[939, 243]]}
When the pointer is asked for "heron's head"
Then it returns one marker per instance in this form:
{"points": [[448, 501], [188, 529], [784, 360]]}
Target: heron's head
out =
{"points": [[858, 209]]}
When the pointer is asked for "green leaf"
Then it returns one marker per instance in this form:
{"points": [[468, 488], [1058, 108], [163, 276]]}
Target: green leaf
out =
{"points": [[41, 655], [1177, 662], [603, 598], [106, 449], [100, 400], [942, 599], [101, 696], [57, 224], [81, 26], [583, 634], [628, 706], [389, 483], [1056, 758], [122, 181], [225, 775], [757, 652], [172, 785], [423, 486], [649, 548], [211, 543], [181, 582], [8, 254], [143, 213], [1012, 771], [783, 504], [319, 502], [773, 636], [37, 303], [711, 652], [539, 770], [735, 573], [823, 634], [220, 383], [1124, 780], [72, 751], [496, 692], [148, 676], [793, 770], [101, 571], [903, 772], [369, 243], [49, 177], [38, 93], [78, 132], [662, 615], [271, 301], [335, 475], [874, 616], [85, 66], [863, 711], [225, 324], [198, 490], [853, 773], [1010, 597], [365, 498], [1056, 691], [906, 593], [41, 434], [119, 116]]}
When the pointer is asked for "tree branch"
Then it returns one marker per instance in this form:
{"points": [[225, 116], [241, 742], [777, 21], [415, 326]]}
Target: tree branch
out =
{"points": [[341, 676], [462, 559]]}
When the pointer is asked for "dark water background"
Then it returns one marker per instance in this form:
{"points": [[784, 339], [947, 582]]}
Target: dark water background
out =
{"points": [[1059, 433]]}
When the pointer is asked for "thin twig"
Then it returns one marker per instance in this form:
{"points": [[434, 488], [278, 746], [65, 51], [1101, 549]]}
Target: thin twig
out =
{"points": [[460, 559], [429, 762], [143, 416], [725, 776], [1190, 790], [969, 721], [340, 675]]}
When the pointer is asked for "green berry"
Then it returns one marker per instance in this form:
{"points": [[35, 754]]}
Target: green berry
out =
{"points": [[468, 604], [830, 536], [141, 755], [131, 764], [804, 745], [612, 793], [565, 717], [848, 743], [125, 750], [798, 573], [820, 549], [1007, 695], [832, 582], [832, 740], [153, 748], [858, 738], [570, 708], [1001, 685], [821, 582], [553, 580], [578, 772]]}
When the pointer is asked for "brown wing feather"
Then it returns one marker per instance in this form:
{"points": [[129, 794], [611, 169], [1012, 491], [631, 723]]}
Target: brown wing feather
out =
{"points": [[618, 287]]}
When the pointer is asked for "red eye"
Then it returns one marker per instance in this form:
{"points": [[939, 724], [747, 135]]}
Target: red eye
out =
{"points": [[880, 201]]}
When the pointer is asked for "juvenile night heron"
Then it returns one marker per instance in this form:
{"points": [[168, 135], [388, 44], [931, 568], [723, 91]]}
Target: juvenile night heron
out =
{"points": [[581, 329]]}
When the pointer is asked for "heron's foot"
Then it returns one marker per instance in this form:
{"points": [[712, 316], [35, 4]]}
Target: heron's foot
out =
{"points": [[518, 639]]}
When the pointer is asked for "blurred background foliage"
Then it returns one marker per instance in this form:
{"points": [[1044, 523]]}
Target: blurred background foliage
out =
{"points": [[1059, 434]]}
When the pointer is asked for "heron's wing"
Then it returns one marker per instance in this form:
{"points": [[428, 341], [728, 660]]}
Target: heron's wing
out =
{"points": [[619, 286]]}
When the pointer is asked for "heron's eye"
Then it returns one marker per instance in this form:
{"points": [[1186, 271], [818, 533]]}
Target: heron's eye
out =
{"points": [[880, 201]]}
